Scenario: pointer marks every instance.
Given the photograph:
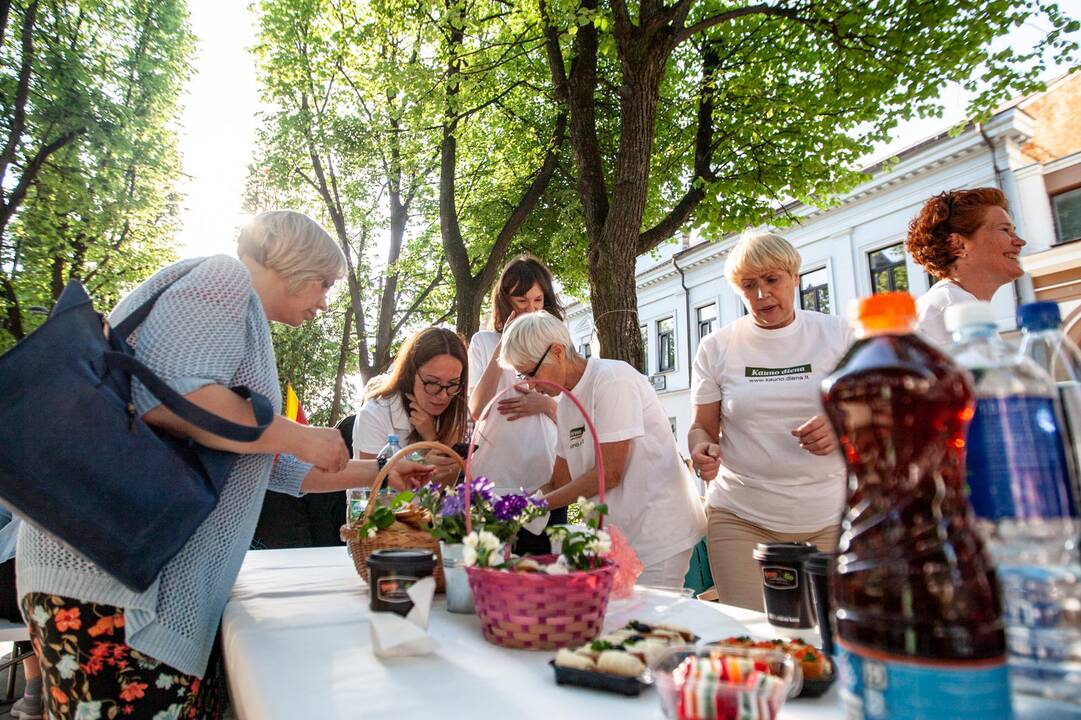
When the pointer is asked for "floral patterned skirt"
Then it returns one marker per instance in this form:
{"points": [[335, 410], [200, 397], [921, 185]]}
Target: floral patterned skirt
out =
{"points": [[90, 673]]}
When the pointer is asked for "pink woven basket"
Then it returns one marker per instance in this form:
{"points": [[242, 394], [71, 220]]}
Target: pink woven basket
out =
{"points": [[537, 611]]}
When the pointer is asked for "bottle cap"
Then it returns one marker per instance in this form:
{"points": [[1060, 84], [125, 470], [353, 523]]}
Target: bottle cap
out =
{"points": [[885, 312], [392, 439], [1036, 316], [969, 314]]}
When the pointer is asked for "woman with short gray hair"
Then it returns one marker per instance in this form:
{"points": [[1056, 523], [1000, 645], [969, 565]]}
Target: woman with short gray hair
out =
{"points": [[650, 494], [208, 332], [758, 437]]}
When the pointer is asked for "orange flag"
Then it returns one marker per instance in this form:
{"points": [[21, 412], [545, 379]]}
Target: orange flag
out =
{"points": [[293, 411]]}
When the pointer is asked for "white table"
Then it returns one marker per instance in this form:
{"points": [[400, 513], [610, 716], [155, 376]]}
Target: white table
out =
{"points": [[296, 640]]}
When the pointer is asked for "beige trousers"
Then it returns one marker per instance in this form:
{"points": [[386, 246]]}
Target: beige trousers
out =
{"points": [[730, 540]]}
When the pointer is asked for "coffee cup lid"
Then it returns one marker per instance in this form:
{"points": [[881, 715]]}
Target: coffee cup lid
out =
{"points": [[819, 563], [784, 551]]}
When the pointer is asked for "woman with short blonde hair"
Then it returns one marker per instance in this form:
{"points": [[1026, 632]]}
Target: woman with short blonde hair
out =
{"points": [[758, 437], [208, 332]]}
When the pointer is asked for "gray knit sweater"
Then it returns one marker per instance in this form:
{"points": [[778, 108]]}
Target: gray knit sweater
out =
{"points": [[207, 328]]}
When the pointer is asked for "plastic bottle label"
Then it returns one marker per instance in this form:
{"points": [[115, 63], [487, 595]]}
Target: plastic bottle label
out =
{"points": [[1016, 460], [885, 688]]}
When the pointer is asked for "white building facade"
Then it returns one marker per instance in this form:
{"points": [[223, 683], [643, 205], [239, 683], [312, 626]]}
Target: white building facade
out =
{"points": [[853, 249]]}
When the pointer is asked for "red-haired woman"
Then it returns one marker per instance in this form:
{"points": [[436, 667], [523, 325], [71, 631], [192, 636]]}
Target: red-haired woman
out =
{"points": [[966, 239]]}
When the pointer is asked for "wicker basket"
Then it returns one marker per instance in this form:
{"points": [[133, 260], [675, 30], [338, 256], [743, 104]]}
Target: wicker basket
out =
{"points": [[537, 611], [395, 537]]}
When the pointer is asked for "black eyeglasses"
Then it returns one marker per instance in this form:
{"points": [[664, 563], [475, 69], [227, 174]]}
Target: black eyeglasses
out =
{"points": [[532, 373], [433, 388]]}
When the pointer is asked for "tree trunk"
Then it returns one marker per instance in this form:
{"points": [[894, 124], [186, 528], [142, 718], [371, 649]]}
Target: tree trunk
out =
{"points": [[614, 299], [343, 361]]}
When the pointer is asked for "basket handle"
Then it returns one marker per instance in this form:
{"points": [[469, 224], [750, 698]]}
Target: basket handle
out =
{"points": [[598, 456], [384, 471]]}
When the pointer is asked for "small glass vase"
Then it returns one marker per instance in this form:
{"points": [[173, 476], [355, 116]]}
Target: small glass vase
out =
{"points": [[459, 594]]}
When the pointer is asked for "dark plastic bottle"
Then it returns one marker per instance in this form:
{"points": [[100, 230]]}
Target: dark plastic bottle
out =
{"points": [[919, 624]]}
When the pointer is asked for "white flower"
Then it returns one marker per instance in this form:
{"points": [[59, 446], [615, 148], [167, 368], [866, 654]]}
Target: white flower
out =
{"points": [[172, 713], [470, 540], [87, 710], [601, 544], [587, 508], [164, 681], [556, 568], [469, 556], [372, 532], [40, 615], [489, 541], [67, 666]]}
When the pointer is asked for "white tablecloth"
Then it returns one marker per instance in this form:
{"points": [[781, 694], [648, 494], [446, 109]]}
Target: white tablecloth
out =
{"points": [[297, 645]]}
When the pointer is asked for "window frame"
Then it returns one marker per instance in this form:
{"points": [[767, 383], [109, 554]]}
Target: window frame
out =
{"points": [[1059, 236], [661, 367], [891, 268], [828, 286]]}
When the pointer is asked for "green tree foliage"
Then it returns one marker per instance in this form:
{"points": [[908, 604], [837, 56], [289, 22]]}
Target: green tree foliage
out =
{"points": [[715, 114], [88, 92], [345, 140]]}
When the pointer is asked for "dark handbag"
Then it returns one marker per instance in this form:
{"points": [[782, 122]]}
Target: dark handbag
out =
{"points": [[77, 460]]}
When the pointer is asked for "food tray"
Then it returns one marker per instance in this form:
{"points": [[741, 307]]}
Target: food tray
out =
{"points": [[818, 688], [630, 686]]}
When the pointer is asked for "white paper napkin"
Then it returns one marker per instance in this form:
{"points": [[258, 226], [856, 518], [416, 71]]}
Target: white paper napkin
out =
{"points": [[394, 635]]}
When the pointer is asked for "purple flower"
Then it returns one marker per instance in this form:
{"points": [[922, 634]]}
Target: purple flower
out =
{"points": [[538, 503], [481, 490], [452, 505], [510, 507]]}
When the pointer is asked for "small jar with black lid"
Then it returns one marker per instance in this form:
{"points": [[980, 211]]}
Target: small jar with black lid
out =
{"points": [[392, 572]]}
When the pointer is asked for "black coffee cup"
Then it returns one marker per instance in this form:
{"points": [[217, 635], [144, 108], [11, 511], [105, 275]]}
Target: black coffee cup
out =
{"points": [[390, 575], [818, 568], [784, 586]]}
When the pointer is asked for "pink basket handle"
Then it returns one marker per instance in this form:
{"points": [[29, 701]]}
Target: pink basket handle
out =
{"points": [[597, 454]]}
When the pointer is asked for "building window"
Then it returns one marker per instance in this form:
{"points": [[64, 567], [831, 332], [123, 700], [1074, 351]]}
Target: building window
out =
{"points": [[707, 320], [585, 349], [1067, 209], [672, 424], [666, 345], [814, 291], [888, 270], [643, 366]]}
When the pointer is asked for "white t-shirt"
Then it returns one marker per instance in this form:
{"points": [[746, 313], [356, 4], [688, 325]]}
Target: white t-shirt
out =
{"points": [[768, 384], [512, 454], [377, 418], [655, 505], [931, 310]]}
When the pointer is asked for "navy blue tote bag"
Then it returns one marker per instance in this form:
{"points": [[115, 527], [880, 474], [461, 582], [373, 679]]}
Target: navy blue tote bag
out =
{"points": [[76, 459]]}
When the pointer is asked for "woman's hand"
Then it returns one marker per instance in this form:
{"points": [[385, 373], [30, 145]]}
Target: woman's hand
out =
{"points": [[816, 436], [421, 421], [445, 468], [706, 457], [323, 448], [406, 475], [524, 404]]}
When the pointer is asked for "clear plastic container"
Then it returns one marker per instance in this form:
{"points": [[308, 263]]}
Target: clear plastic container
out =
{"points": [[1021, 488], [716, 681]]}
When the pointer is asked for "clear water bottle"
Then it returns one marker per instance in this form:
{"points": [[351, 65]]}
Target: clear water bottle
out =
{"points": [[1043, 342], [1019, 487], [388, 451]]}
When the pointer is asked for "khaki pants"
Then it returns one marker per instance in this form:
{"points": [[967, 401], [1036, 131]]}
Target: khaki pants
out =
{"points": [[731, 540]]}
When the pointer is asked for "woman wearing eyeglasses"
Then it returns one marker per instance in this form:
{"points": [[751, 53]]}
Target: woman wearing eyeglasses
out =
{"points": [[649, 491], [421, 398], [966, 239]]}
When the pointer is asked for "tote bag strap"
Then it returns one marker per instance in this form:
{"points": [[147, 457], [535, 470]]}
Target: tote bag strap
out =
{"points": [[181, 406], [189, 411]]}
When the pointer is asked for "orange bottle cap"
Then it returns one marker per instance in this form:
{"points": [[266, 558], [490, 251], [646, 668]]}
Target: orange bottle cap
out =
{"points": [[886, 312]]}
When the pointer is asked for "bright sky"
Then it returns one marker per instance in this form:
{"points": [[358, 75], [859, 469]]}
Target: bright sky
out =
{"points": [[218, 124]]}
